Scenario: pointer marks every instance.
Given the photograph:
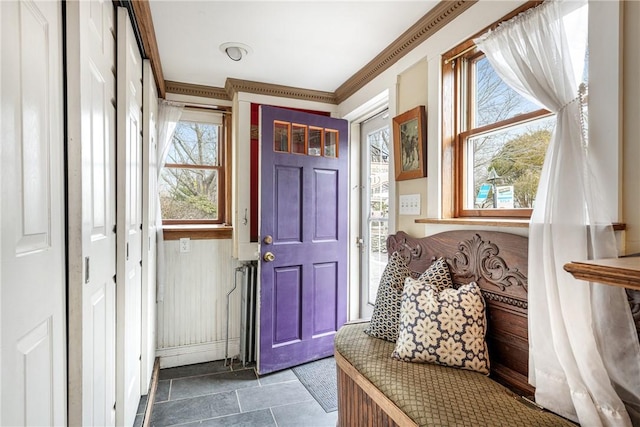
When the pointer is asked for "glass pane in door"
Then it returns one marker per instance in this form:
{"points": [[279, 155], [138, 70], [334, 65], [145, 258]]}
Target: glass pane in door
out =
{"points": [[375, 207], [331, 143], [315, 142], [377, 256], [378, 145], [298, 139], [281, 132]]}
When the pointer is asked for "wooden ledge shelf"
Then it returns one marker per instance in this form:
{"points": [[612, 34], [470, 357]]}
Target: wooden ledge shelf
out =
{"points": [[623, 272], [494, 222], [197, 231], [487, 222]]}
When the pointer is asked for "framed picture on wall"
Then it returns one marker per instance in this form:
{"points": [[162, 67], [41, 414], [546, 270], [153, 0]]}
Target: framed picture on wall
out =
{"points": [[409, 144]]}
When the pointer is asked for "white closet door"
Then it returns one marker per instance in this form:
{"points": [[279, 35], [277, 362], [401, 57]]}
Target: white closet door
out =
{"points": [[32, 279], [129, 222], [149, 193], [91, 206]]}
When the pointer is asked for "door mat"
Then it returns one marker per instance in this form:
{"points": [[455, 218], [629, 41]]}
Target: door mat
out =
{"points": [[319, 378]]}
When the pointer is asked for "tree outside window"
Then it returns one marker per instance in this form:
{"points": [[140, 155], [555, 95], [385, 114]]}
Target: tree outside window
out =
{"points": [[494, 141], [191, 183], [514, 149], [500, 140]]}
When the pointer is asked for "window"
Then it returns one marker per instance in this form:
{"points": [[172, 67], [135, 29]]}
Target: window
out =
{"points": [[193, 182], [494, 138]]}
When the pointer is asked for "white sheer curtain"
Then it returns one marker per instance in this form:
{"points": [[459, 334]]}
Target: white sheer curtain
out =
{"points": [[168, 116], [584, 352]]}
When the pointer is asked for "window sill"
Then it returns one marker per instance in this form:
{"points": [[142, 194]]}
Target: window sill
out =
{"points": [[197, 231], [493, 222], [487, 222]]}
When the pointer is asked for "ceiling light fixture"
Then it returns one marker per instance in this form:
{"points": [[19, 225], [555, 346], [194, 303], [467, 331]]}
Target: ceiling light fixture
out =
{"points": [[235, 51]]}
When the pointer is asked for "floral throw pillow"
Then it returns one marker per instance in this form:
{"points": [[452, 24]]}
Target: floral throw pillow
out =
{"points": [[447, 327], [384, 320], [438, 275]]}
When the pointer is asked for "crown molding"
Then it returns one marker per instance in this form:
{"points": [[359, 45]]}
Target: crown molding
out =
{"points": [[442, 14], [197, 90], [234, 86], [143, 22]]}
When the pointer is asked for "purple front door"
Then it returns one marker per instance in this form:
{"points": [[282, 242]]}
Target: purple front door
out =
{"points": [[303, 236]]}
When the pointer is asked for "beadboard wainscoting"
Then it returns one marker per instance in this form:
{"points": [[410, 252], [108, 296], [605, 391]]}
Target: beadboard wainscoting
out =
{"points": [[192, 318]]}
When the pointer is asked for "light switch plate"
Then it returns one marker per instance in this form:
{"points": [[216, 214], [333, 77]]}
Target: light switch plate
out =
{"points": [[410, 204]]}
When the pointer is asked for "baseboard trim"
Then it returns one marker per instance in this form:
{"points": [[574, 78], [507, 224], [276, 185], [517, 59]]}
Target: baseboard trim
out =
{"points": [[197, 353], [151, 397]]}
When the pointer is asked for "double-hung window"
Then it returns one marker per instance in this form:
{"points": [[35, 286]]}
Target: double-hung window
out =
{"points": [[494, 139], [193, 181]]}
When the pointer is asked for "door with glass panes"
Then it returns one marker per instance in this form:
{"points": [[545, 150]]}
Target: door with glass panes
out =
{"points": [[375, 146], [303, 231]]}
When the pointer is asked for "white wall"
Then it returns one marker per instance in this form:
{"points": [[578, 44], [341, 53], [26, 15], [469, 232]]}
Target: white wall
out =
{"points": [[192, 316], [605, 101], [631, 130], [412, 92], [241, 198]]}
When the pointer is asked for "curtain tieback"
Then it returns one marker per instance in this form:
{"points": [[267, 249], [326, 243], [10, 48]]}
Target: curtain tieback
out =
{"points": [[582, 99]]}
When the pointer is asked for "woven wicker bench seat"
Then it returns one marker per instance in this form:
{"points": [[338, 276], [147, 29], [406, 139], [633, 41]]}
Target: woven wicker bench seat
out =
{"points": [[433, 395]]}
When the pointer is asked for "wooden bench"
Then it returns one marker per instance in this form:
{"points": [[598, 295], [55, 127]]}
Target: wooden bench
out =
{"points": [[374, 389]]}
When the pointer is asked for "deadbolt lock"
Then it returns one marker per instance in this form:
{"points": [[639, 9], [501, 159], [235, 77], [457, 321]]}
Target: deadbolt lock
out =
{"points": [[268, 240]]}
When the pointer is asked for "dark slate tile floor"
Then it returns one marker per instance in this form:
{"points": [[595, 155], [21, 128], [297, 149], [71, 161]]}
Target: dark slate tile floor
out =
{"points": [[140, 413], [212, 394]]}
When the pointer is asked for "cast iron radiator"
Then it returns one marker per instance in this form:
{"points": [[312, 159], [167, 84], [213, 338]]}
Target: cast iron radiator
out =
{"points": [[248, 304]]}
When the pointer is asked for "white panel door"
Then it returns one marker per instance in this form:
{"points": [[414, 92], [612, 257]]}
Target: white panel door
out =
{"points": [[91, 211], [32, 281], [129, 222], [149, 196]]}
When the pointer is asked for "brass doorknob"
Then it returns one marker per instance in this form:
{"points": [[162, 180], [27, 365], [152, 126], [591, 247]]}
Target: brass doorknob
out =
{"points": [[268, 257]]}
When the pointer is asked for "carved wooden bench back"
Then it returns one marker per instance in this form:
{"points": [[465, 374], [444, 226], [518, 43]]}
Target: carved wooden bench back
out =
{"points": [[498, 263]]}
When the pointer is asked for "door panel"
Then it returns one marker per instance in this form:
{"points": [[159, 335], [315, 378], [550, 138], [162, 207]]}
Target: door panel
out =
{"points": [[98, 320], [34, 364], [324, 297], [288, 204], [99, 100], [129, 224], [32, 247], [287, 289], [325, 204], [303, 290]]}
